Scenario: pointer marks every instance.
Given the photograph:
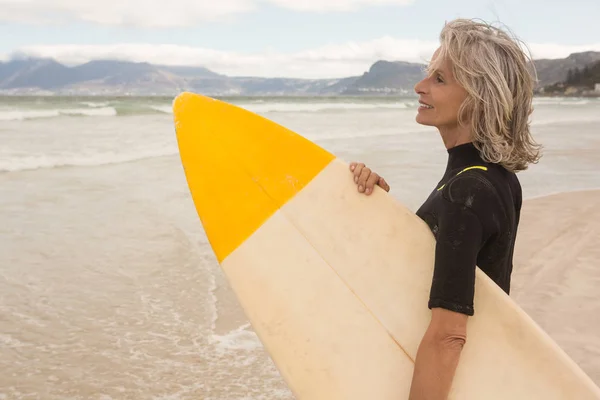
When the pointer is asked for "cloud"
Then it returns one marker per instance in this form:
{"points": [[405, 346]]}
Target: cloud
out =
{"points": [[334, 5], [122, 12], [160, 14], [328, 61]]}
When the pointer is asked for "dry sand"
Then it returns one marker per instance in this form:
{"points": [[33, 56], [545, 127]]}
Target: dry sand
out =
{"points": [[556, 276]]}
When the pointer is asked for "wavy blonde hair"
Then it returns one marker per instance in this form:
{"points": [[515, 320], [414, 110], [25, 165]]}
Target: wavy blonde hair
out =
{"points": [[495, 71]]}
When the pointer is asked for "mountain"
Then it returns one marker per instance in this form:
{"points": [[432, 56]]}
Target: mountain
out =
{"points": [[342, 86], [104, 69], [101, 76], [40, 73], [588, 76], [190, 72], [554, 71], [111, 77], [579, 82], [34, 75], [388, 77], [122, 77], [47, 74]]}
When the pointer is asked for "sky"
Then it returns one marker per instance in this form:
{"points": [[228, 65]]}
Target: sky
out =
{"points": [[286, 38]]}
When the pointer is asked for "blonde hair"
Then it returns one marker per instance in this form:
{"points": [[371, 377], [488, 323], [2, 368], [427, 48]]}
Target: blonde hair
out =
{"points": [[494, 70]]}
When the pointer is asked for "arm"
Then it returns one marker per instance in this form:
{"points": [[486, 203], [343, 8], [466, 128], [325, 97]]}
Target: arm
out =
{"points": [[438, 355], [460, 236]]}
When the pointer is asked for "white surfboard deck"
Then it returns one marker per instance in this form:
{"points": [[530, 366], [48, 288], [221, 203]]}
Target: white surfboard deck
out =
{"points": [[336, 283]]}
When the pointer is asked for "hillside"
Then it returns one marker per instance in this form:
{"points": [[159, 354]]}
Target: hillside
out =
{"points": [[579, 82], [111, 77], [554, 71], [388, 77], [588, 76]]}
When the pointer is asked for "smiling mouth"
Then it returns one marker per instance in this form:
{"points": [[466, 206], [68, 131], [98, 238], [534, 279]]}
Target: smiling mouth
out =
{"points": [[425, 106]]}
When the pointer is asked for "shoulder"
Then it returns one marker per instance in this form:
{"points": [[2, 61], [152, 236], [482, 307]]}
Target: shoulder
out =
{"points": [[472, 189]]}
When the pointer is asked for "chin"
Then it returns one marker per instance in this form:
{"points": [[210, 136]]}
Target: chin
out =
{"points": [[422, 121]]}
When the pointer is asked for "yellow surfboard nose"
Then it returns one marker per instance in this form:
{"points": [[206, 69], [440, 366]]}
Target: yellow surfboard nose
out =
{"points": [[240, 167]]}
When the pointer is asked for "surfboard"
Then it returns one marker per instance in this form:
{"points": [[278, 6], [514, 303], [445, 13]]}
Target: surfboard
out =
{"points": [[335, 283]]}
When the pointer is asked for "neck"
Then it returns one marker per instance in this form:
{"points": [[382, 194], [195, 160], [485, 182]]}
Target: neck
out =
{"points": [[455, 136]]}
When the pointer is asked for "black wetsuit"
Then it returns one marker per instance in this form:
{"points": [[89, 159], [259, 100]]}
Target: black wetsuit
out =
{"points": [[473, 213]]}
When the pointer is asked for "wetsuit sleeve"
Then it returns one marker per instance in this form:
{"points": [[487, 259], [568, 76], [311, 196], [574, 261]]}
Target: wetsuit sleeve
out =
{"points": [[461, 234]]}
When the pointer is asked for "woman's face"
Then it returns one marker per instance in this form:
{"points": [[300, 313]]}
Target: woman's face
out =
{"points": [[440, 96]]}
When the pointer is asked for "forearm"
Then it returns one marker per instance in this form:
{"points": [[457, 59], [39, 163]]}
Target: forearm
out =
{"points": [[435, 366]]}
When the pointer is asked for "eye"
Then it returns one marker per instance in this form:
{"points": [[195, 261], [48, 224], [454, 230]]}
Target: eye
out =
{"points": [[439, 78]]}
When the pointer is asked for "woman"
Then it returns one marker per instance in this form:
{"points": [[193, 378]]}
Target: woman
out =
{"points": [[478, 94]]}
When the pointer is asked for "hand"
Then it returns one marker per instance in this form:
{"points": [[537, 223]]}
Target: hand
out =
{"points": [[367, 179]]}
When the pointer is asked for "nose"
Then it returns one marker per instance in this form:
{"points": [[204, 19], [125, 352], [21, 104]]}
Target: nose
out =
{"points": [[420, 86]]}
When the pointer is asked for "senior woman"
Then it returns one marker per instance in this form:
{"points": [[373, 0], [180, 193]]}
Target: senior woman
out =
{"points": [[478, 94]]}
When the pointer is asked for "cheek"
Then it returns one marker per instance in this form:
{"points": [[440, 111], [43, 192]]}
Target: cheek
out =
{"points": [[453, 105]]}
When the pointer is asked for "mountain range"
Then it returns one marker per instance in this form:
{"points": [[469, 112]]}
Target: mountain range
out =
{"points": [[110, 77]]}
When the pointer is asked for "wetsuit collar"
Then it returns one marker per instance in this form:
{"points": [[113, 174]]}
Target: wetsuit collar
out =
{"points": [[462, 156]]}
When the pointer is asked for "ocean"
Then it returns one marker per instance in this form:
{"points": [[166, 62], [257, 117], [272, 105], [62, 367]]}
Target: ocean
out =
{"points": [[108, 287]]}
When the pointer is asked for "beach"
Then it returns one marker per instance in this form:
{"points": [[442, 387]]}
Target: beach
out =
{"points": [[557, 272], [110, 290]]}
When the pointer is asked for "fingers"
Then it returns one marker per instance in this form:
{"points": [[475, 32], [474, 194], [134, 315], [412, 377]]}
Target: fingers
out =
{"points": [[357, 168], [372, 180], [383, 184], [366, 179], [365, 173]]}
